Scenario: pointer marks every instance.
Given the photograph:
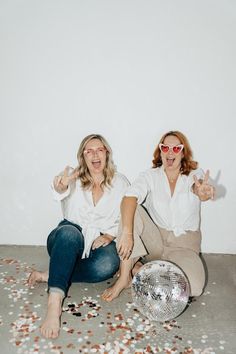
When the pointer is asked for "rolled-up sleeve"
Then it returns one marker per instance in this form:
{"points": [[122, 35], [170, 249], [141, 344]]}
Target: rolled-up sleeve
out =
{"points": [[139, 188], [60, 196]]}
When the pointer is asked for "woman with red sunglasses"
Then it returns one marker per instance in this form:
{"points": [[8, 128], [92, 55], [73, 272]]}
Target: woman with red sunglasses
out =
{"points": [[160, 215]]}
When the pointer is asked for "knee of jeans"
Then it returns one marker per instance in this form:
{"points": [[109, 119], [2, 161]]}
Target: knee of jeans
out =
{"points": [[69, 234], [107, 266]]}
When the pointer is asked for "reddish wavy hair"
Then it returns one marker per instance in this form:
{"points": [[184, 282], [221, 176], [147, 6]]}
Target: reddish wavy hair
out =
{"points": [[187, 162]]}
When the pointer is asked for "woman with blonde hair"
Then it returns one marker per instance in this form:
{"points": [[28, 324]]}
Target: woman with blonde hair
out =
{"points": [[160, 215], [82, 247]]}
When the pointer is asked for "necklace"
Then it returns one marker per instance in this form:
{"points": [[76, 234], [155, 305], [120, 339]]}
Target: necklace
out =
{"points": [[173, 179]]}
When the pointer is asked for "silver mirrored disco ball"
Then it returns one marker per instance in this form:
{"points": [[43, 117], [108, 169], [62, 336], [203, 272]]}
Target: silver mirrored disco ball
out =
{"points": [[160, 290]]}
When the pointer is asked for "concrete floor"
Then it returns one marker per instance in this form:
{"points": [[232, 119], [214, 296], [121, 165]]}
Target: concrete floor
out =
{"points": [[89, 325]]}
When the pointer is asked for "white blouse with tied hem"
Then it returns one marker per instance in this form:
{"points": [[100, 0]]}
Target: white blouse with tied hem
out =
{"points": [[179, 212], [102, 218]]}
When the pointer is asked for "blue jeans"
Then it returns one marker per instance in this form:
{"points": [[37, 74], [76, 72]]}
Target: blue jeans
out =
{"points": [[65, 246]]}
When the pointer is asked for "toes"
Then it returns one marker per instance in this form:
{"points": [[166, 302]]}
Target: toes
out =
{"points": [[55, 333], [49, 332], [107, 293], [37, 277], [109, 298], [31, 279]]}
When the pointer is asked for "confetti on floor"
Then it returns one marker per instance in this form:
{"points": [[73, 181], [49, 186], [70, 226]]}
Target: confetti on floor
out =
{"points": [[90, 325]]}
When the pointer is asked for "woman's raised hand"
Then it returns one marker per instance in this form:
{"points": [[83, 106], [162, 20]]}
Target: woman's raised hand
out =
{"points": [[203, 189], [62, 182]]}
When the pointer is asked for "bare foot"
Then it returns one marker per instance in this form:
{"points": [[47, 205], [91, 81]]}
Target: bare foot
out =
{"points": [[115, 290], [51, 325], [37, 277]]}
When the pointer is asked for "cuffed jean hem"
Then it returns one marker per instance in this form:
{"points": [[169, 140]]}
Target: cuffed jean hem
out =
{"points": [[53, 289]]}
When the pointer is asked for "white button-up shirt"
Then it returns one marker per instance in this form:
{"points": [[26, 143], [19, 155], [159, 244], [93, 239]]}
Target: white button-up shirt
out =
{"points": [[177, 213], [78, 207]]}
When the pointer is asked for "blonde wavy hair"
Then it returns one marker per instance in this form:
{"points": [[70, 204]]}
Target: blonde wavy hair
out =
{"points": [[187, 162], [84, 174]]}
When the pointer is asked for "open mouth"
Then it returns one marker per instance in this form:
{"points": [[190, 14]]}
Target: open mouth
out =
{"points": [[170, 161], [96, 163]]}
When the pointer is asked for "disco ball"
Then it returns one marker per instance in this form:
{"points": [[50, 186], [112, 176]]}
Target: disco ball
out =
{"points": [[160, 290]]}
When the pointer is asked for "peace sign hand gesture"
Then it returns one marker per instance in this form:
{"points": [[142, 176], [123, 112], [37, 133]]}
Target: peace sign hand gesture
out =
{"points": [[62, 182], [202, 188]]}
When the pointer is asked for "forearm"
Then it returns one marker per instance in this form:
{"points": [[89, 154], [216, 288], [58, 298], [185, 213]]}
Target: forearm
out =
{"points": [[128, 208]]}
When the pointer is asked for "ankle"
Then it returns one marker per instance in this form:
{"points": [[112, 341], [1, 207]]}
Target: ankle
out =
{"points": [[125, 278], [55, 299]]}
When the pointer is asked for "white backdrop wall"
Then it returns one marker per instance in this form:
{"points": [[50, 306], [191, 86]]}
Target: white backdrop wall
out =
{"points": [[128, 69]]}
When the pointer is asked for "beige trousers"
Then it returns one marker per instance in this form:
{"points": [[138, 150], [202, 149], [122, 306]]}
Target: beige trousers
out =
{"points": [[154, 243]]}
